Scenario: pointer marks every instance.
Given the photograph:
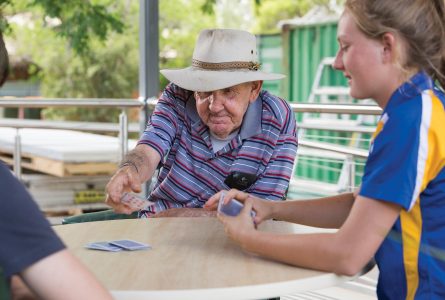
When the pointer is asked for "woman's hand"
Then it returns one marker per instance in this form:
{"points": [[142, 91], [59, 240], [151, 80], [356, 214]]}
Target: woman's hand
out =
{"points": [[241, 227], [212, 202], [262, 208]]}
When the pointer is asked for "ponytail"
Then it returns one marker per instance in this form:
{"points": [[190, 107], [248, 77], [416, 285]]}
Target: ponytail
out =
{"points": [[440, 7], [441, 76]]}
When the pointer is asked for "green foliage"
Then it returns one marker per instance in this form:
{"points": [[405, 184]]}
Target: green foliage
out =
{"points": [[180, 22], [208, 7], [240, 18], [269, 12], [105, 72], [105, 65], [109, 69], [4, 25], [80, 21], [93, 51]]}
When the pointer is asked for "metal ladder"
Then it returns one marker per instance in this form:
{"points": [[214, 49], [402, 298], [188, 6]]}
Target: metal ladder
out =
{"points": [[332, 94]]}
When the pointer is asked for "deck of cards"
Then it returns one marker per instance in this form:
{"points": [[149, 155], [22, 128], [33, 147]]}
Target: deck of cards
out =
{"points": [[118, 245], [233, 208], [135, 202]]}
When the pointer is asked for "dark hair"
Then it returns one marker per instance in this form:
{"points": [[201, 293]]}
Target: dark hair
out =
{"points": [[421, 24], [4, 61]]}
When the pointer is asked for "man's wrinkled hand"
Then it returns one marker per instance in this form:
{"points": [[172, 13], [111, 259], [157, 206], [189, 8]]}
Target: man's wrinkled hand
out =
{"points": [[125, 179]]}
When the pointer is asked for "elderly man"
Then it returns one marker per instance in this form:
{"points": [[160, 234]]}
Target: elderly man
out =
{"points": [[213, 128]]}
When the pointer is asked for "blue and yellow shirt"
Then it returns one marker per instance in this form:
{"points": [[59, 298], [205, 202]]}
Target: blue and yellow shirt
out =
{"points": [[406, 166]]}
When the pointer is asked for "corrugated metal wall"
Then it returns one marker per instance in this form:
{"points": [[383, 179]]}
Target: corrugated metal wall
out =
{"points": [[271, 57], [303, 47], [296, 52]]}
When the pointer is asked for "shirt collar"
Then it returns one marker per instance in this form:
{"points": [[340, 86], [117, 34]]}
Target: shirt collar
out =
{"points": [[409, 89], [251, 122]]}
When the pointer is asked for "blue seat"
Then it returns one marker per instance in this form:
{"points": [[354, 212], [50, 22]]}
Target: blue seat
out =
{"points": [[4, 287], [105, 215]]}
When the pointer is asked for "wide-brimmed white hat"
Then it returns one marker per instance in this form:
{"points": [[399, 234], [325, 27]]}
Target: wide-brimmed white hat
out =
{"points": [[222, 58]]}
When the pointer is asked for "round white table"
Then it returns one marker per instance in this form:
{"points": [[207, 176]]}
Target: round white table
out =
{"points": [[191, 258]]}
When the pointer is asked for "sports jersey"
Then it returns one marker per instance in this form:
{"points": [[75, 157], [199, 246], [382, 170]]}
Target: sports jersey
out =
{"points": [[406, 166]]}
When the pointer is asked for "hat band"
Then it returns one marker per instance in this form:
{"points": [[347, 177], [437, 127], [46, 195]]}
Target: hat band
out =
{"points": [[253, 66]]}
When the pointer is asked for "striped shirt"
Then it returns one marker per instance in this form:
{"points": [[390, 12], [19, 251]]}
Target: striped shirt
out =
{"points": [[406, 166], [191, 171]]}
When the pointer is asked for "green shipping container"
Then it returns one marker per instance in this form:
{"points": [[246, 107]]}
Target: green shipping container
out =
{"points": [[270, 54], [304, 47], [297, 53]]}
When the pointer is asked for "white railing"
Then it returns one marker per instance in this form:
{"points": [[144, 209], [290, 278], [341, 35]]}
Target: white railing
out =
{"points": [[123, 127]]}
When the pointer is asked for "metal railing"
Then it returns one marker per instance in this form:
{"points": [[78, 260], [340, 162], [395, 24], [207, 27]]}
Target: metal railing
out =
{"points": [[123, 127], [358, 109]]}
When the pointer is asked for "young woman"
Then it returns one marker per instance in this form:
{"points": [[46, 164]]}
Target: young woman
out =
{"points": [[393, 52]]}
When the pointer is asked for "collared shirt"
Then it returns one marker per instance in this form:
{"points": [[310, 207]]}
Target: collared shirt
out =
{"points": [[406, 166], [192, 172]]}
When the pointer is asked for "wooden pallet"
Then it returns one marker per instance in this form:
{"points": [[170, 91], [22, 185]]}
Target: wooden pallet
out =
{"points": [[56, 214], [73, 210], [61, 168]]}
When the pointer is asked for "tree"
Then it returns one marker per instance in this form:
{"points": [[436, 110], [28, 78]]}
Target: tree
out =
{"points": [[85, 50], [179, 25], [109, 69], [88, 63], [268, 13], [79, 21]]}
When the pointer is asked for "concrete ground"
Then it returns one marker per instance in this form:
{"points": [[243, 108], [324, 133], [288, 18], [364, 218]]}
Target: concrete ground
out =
{"points": [[362, 288]]}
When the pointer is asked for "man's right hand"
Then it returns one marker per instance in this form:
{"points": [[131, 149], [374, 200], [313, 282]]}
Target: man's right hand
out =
{"points": [[125, 179]]}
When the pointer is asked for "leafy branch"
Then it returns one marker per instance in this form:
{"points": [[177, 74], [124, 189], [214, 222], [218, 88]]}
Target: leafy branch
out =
{"points": [[80, 20]]}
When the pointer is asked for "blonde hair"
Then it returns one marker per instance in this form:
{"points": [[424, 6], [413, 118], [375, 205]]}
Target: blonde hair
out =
{"points": [[420, 24]]}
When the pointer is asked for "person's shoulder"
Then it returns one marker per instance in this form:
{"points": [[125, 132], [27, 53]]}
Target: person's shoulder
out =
{"points": [[277, 106], [173, 92], [405, 104], [9, 183], [408, 113], [5, 173], [439, 94]]}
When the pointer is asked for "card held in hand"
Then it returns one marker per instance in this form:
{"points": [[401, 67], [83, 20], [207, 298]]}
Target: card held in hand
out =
{"points": [[135, 202], [233, 208]]}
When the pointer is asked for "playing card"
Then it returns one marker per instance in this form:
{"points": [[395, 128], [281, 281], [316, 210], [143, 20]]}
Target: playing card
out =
{"points": [[134, 201], [130, 245], [233, 208], [104, 246]]}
